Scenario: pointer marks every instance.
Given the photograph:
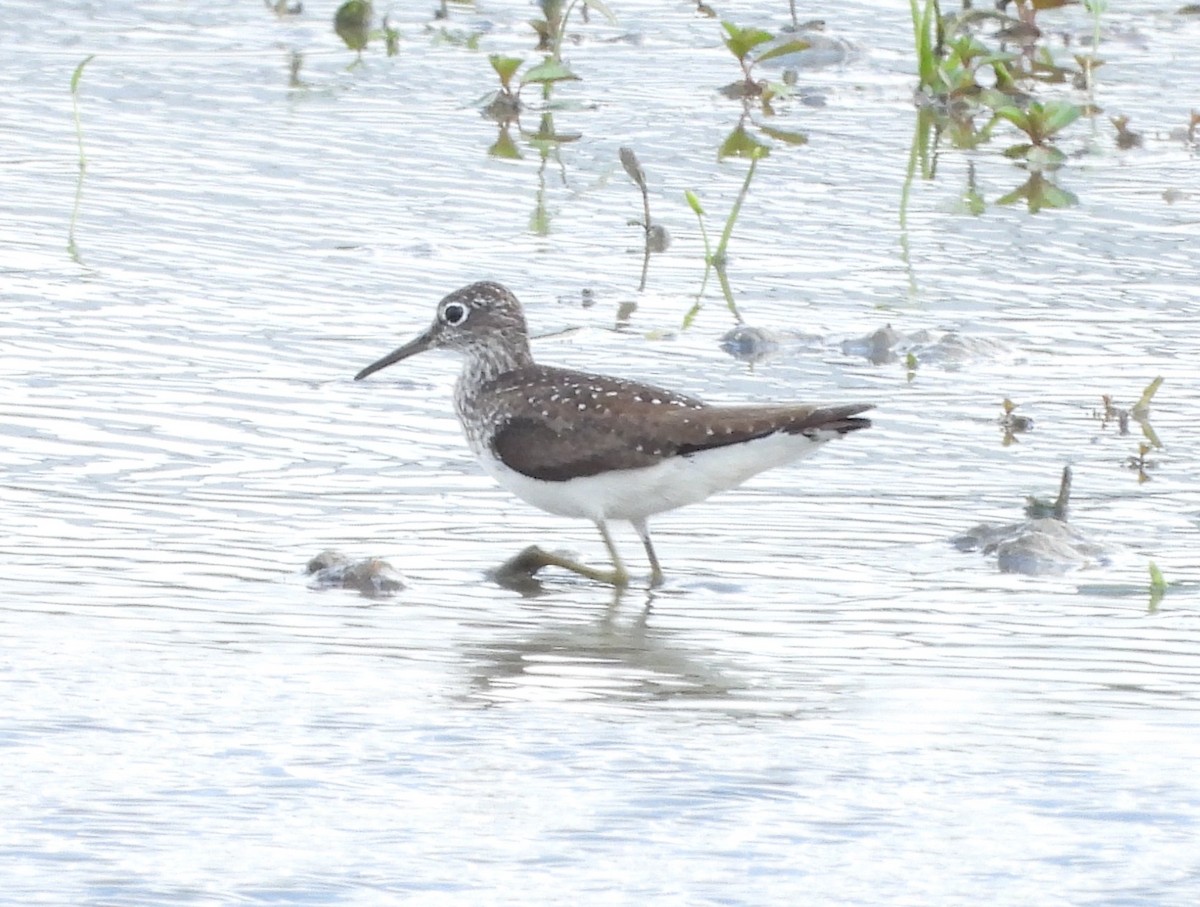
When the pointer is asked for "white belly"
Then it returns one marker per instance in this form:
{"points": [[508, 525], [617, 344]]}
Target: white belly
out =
{"points": [[634, 494]]}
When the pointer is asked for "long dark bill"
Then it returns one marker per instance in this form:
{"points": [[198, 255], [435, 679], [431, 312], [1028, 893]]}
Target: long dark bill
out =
{"points": [[414, 346]]}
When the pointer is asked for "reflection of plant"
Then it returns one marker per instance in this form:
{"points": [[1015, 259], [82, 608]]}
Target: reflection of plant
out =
{"points": [[1090, 61], [742, 143], [742, 43], [1158, 586], [1039, 192], [545, 141]]}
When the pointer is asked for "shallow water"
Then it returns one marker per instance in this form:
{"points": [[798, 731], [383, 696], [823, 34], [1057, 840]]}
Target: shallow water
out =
{"points": [[826, 701]]}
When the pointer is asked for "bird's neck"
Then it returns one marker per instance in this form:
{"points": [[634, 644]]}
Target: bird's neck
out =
{"points": [[487, 362], [481, 367]]}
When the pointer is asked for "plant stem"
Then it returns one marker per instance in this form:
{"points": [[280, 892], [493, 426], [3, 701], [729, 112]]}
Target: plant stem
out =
{"points": [[719, 255], [556, 50], [72, 249], [75, 77]]}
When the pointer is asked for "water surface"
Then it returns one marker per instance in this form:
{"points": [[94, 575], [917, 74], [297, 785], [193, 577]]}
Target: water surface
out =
{"points": [[826, 702]]}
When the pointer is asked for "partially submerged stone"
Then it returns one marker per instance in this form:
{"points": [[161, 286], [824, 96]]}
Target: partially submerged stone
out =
{"points": [[372, 576], [1045, 544]]}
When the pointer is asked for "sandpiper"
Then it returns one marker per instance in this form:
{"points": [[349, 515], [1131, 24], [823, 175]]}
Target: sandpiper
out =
{"points": [[596, 447]]}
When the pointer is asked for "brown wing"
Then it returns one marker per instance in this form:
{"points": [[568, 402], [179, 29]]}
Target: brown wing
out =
{"points": [[571, 424]]}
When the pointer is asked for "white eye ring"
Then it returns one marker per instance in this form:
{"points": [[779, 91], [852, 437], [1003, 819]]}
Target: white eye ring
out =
{"points": [[454, 313]]}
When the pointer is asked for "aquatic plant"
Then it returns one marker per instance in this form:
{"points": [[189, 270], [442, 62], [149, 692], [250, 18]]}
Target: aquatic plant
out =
{"points": [[505, 104], [391, 37], [927, 38], [1126, 137], [552, 27], [1041, 123], [352, 22], [743, 43], [1012, 423], [1158, 586], [76, 77], [1139, 412], [715, 259], [657, 237], [1090, 62], [1042, 508], [1140, 463], [968, 85]]}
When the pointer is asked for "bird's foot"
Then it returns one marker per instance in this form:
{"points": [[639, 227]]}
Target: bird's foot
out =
{"points": [[525, 564]]}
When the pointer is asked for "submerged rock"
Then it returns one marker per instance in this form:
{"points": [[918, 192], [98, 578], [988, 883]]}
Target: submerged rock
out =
{"points": [[1047, 547], [1042, 545], [372, 576], [1039, 547], [949, 350], [752, 344], [879, 347]]}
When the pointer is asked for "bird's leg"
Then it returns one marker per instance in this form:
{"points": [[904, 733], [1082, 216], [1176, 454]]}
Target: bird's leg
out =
{"points": [[643, 531], [619, 576], [533, 559]]}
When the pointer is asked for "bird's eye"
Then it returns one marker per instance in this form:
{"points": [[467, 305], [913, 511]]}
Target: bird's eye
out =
{"points": [[454, 313]]}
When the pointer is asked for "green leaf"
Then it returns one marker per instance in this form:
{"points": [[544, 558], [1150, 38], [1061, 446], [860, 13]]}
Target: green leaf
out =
{"points": [[1158, 586], [926, 58], [505, 67], [548, 71], [1057, 115], [352, 22], [743, 40], [1148, 393], [78, 74], [1014, 115], [787, 47], [1157, 582], [693, 202], [782, 135]]}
